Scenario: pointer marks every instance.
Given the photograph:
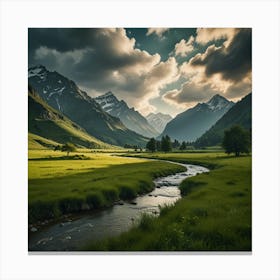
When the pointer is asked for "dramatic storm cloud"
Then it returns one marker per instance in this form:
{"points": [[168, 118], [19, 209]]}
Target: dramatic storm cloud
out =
{"points": [[103, 59], [224, 69], [154, 69]]}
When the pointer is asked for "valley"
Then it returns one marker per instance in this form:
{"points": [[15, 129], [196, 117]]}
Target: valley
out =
{"points": [[104, 177], [213, 214]]}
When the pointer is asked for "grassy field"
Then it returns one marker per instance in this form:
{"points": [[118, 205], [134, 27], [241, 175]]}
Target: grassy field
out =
{"points": [[213, 215], [90, 180]]}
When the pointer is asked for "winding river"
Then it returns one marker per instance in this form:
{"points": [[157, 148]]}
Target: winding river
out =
{"points": [[77, 231]]}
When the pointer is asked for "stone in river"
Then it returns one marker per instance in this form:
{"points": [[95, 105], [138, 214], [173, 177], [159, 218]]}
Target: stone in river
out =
{"points": [[33, 229]]}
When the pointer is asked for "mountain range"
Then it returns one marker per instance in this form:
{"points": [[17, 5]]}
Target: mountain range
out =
{"points": [[59, 111], [192, 123], [239, 114], [50, 124], [158, 121], [128, 116], [66, 97]]}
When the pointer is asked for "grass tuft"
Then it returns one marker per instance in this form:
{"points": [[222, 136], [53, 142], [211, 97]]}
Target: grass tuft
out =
{"points": [[189, 185]]}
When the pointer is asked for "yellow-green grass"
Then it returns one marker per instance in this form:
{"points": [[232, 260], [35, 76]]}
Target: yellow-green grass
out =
{"points": [[213, 215], [38, 142], [84, 181]]}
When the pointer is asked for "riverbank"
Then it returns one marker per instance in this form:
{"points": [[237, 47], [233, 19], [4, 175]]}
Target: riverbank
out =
{"points": [[58, 186], [73, 234], [214, 215]]}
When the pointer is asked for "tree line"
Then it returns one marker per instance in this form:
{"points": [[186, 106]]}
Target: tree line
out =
{"points": [[165, 144], [236, 140]]}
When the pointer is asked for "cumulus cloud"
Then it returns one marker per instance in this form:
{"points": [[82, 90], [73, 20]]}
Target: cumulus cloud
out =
{"points": [[158, 31], [225, 70], [190, 93], [233, 61], [106, 60], [183, 48], [205, 35]]}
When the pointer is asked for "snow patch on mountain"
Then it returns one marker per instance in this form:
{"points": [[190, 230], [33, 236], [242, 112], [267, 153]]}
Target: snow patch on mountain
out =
{"points": [[158, 121], [39, 71], [130, 118], [218, 102]]}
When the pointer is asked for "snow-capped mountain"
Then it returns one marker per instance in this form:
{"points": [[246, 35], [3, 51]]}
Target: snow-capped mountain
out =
{"points": [[218, 102], [108, 101], [239, 114], [192, 123], [129, 117], [53, 87], [65, 96], [158, 121]]}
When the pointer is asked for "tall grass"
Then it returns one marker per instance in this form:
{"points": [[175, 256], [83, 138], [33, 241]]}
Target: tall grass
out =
{"points": [[59, 185], [213, 215]]}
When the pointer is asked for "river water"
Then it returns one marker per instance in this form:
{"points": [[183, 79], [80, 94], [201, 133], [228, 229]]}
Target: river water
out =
{"points": [[76, 232]]}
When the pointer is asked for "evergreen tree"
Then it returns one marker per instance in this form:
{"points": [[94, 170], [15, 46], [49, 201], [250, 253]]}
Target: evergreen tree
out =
{"points": [[176, 144], [236, 140], [151, 145], [158, 145], [183, 146], [166, 145]]}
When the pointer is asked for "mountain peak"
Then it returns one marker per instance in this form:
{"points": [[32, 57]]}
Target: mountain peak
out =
{"points": [[36, 70], [218, 102], [217, 97], [158, 120], [38, 66], [128, 116], [109, 93]]}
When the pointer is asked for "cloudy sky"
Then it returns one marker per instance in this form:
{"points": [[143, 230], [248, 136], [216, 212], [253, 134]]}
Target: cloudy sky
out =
{"points": [[153, 69]]}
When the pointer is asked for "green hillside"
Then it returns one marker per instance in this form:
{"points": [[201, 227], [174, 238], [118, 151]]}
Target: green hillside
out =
{"points": [[36, 142], [67, 98], [239, 114], [48, 123]]}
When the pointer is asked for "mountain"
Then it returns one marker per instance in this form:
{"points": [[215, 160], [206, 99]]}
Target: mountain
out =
{"points": [[158, 121], [47, 126], [65, 96], [192, 123], [128, 116], [240, 114]]}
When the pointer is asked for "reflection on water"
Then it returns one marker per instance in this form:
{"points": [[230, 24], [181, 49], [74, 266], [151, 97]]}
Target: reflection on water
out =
{"points": [[72, 235]]}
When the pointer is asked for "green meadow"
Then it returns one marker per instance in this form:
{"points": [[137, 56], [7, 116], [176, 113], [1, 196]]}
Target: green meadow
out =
{"points": [[86, 180], [214, 213]]}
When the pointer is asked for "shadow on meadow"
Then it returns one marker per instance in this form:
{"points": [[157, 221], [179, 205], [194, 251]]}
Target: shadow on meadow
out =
{"points": [[94, 189]]}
